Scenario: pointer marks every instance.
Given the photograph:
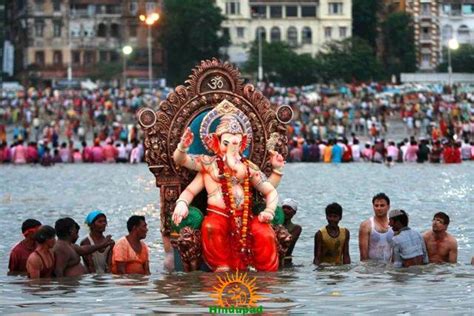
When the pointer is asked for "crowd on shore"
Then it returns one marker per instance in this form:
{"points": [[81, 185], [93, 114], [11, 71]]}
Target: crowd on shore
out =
{"points": [[384, 238], [331, 124]]}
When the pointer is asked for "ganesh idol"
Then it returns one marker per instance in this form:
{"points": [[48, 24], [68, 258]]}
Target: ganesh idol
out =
{"points": [[233, 237]]}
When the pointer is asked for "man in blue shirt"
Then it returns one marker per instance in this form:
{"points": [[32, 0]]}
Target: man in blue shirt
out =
{"points": [[409, 247]]}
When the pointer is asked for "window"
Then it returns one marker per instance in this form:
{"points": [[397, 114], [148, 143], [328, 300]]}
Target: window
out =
{"points": [[57, 25], [328, 32], [275, 34], [232, 7], [132, 30], [262, 32], [102, 30], [150, 7], [89, 58], [276, 11], [56, 5], [57, 57], [103, 56], [468, 9], [463, 34], [425, 9], [240, 32], [39, 28], [39, 58], [291, 11], [292, 35], [447, 32], [456, 9], [91, 10], [343, 32], [226, 32], [114, 30], [133, 7], [259, 11], [308, 11], [76, 57], [425, 34], [335, 8], [307, 35], [39, 5]]}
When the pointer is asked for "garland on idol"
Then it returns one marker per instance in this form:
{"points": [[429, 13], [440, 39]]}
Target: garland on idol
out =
{"points": [[239, 238]]}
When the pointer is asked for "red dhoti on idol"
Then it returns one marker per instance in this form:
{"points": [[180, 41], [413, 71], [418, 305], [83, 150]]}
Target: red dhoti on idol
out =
{"points": [[221, 249]]}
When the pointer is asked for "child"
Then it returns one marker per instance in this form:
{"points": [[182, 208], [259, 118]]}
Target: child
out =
{"points": [[331, 243]]}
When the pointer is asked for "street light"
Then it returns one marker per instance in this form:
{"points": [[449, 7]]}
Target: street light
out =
{"points": [[126, 50], [149, 20], [453, 44]]}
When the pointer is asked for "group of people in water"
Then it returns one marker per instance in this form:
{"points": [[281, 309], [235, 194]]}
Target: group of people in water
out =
{"points": [[40, 255], [385, 237]]}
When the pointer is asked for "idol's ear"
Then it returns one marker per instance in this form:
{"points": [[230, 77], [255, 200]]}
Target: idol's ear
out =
{"points": [[212, 141], [243, 145]]}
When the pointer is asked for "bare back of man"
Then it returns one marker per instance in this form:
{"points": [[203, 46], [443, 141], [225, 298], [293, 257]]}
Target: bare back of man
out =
{"points": [[441, 249], [68, 261]]}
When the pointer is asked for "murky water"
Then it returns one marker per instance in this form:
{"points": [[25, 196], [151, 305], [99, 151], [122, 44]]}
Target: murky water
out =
{"points": [[122, 190]]}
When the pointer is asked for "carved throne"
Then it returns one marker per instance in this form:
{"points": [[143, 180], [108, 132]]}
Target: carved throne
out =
{"points": [[210, 83]]}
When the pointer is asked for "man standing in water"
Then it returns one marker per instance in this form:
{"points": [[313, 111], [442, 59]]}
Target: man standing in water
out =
{"points": [[130, 254], [375, 235], [22, 250], [409, 247], [442, 247], [101, 260], [67, 253], [289, 207]]}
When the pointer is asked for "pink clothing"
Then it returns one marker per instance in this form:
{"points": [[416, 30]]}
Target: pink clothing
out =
{"points": [[97, 154], [77, 157], [110, 153], [392, 151], [87, 154], [411, 153], [19, 156]]}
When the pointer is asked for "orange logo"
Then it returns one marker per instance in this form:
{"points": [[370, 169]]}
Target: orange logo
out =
{"points": [[236, 291]]}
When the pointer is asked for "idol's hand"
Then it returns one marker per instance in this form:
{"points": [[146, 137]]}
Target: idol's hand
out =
{"points": [[187, 138], [265, 217], [180, 211], [276, 160]]}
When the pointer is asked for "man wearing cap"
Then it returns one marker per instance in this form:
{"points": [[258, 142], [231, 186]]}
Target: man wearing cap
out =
{"points": [[22, 250], [101, 260], [409, 247], [290, 207]]}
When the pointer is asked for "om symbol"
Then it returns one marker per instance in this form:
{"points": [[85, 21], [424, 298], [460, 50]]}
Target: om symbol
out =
{"points": [[216, 83]]}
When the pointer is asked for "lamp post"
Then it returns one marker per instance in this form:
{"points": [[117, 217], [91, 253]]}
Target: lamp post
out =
{"points": [[452, 45], [126, 50], [149, 20], [260, 65]]}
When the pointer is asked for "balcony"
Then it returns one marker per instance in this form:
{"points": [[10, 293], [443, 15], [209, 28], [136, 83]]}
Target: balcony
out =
{"points": [[425, 38]]}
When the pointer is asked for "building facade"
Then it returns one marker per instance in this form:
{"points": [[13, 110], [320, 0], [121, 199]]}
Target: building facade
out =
{"points": [[306, 25], [54, 39], [457, 21]]}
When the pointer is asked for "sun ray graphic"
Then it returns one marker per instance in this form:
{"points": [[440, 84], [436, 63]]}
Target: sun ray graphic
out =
{"points": [[236, 290]]}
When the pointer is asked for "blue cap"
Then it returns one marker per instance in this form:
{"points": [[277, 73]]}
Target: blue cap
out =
{"points": [[92, 216]]}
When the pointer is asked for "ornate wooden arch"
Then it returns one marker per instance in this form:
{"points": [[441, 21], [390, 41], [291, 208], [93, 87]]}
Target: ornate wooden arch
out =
{"points": [[210, 83]]}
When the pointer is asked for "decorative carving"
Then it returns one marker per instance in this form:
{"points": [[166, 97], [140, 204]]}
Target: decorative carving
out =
{"points": [[283, 241], [284, 114], [189, 247], [210, 83]]}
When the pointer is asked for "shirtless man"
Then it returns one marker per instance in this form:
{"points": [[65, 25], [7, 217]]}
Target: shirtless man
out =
{"points": [[442, 247], [67, 253], [289, 207], [375, 235]]}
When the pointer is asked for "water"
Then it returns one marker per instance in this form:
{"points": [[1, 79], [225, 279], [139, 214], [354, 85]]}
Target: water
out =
{"points": [[122, 190]]}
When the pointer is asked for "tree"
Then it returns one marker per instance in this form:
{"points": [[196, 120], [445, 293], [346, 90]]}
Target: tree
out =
{"points": [[399, 41], [282, 65], [107, 71], [364, 20], [462, 59], [348, 60], [190, 32]]}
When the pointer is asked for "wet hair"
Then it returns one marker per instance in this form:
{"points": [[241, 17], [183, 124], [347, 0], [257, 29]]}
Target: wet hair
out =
{"points": [[64, 226], [44, 233], [381, 196], [29, 223], [403, 218], [134, 221], [443, 216], [334, 208]]}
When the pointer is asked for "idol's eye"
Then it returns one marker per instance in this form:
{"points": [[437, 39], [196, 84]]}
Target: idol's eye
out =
{"points": [[226, 142]]}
